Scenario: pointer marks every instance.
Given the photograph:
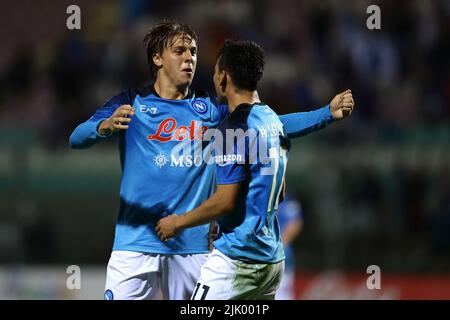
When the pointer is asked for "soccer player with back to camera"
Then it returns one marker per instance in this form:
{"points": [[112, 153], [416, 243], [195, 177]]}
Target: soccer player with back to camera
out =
{"points": [[152, 123], [247, 261]]}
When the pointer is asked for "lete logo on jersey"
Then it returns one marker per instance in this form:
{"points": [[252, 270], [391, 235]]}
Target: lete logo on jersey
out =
{"points": [[168, 130]]}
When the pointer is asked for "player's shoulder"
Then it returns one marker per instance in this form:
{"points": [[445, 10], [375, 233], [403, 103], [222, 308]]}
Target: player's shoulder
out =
{"points": [[239, 117], [263, 114], [124, 97], [206, 103], [264, 110], [260, 115], [201, 100], [144, 90]]}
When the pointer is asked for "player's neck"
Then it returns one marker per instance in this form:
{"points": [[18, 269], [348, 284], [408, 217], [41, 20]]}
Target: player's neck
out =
{"points": [[167, 90], [238, 96]]}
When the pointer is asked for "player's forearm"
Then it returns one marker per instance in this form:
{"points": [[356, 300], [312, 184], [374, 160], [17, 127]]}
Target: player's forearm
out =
{"points": [[85, 135], [302, 123], [209, 211]]}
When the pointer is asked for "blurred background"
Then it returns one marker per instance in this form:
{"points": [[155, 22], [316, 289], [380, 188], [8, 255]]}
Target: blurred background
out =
{"points": [[374, 189]]}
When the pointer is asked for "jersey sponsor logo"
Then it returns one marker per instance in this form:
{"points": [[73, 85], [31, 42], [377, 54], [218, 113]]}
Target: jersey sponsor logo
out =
{"points": [[199, 106], [185, 161], [109, 295], [227, 159], [168, 130], [160, 160], [144, 109]]}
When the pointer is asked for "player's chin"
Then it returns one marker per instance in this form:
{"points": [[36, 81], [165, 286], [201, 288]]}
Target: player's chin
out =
{"points": [[187, 77], [185, 82]]}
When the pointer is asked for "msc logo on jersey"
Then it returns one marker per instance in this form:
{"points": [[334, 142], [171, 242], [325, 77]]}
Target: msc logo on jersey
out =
{"points": [[199, 106], [109, 295], [160, 160]]}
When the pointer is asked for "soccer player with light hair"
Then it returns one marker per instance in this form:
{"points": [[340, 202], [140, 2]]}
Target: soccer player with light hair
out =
{"points": [[151, 122], [247, 261]]}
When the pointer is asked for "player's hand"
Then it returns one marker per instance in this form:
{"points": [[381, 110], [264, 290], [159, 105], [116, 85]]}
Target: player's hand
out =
{"points": [[167, 227], [342, 105], [119, 120]]}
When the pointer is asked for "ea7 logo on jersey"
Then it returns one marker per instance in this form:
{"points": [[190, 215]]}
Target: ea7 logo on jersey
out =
{"points": [[199, 106], [168, 130], [144, 109]]}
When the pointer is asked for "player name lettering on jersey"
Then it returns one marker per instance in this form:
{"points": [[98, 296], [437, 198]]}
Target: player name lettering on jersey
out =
{"points": [[168, 130], [272, 129]]}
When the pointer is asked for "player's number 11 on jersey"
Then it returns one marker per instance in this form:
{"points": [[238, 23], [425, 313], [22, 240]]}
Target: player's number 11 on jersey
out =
{"points": [[273, 154]]}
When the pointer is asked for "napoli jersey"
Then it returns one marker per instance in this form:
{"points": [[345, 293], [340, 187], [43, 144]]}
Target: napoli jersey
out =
{"points": [[290, 211], [162, 167], [255, 156]]}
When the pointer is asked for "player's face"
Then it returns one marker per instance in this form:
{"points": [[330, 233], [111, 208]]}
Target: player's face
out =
{"points": [[179, 60], [218, 79]]}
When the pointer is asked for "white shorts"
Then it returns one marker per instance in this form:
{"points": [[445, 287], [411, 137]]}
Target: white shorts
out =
{"points": [[286, 290], [223, 278], [138, 276]]}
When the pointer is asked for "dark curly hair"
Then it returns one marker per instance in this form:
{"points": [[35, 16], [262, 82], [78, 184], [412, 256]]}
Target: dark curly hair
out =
{"points": [[158, 37], [244, 61]]}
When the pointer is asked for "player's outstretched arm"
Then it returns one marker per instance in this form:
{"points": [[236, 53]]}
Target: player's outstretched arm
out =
{"points": [[302, 123], [223, 201]]}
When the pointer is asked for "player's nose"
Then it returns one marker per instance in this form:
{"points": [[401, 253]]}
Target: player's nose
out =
{"points": [[188, 56]]}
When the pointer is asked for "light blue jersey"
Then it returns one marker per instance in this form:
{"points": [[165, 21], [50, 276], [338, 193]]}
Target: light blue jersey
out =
{"points": [[258, 161], [156, 181]]}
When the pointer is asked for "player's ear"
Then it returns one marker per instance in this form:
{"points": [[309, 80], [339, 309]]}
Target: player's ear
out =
{"points": [[223, 80], [157, 60]]}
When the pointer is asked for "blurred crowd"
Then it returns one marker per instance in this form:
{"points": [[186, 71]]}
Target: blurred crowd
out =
{"points": [[399, 74], [52, 78]]}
